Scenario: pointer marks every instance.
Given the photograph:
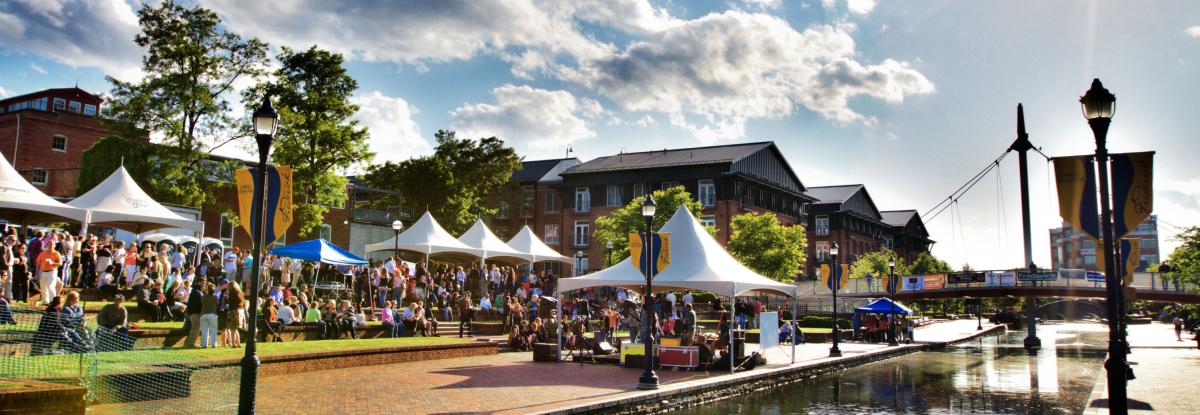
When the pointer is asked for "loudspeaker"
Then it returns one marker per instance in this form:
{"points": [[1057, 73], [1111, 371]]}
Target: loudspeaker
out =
{"points": [[544, 352], [602, 347]]}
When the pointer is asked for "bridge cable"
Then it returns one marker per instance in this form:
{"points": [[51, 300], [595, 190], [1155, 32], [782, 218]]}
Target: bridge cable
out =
{"points": [[962, 190]]}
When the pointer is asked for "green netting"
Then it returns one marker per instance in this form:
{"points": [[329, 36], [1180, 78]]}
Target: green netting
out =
{"points": [[117, 369]]}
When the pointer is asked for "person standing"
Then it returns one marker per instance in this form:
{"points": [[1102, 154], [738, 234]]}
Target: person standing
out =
{"points": [[231, 264], [1178, 328], [466, 313], [195, 304], [689, 324], [48, 263], [6, 268], [20, 273], [86, 254], [208, 317]]}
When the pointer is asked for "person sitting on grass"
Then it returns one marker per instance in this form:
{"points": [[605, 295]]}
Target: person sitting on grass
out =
{"points": [[113, 320], [420, 323], [181, 296], [312, 316], [329, 316], [49, 328], [347, 318], [387, 318], [149, 301], [269, 321]]}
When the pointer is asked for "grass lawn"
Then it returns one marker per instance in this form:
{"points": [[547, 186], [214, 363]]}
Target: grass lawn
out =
{"points": [[10, 386]]}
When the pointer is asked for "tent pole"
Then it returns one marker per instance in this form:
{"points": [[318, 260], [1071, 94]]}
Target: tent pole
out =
{"points": [[558, 321], [199, 247], [795, 326], [732, 326]]}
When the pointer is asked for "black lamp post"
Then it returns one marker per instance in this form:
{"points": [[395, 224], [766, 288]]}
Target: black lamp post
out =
{"points": [[649, 380], [266, 121], [835, 280], [891, 287], [1098, 107], [397, 226]]}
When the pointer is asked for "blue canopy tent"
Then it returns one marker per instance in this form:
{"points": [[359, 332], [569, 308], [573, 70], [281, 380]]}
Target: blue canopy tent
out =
{"points": [[883, 306], [319, 250]]}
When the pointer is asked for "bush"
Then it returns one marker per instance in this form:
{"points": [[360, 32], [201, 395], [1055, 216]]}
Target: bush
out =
{"points": [[824, 322], [703, 297]]}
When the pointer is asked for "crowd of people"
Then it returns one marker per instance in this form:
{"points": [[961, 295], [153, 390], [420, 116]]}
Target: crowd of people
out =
{"points": [[874, 328]]}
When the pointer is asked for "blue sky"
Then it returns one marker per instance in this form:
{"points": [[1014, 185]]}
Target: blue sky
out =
{"points": [[909, 98]]}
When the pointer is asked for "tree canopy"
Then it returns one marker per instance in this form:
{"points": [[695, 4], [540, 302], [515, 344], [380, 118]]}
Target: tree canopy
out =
{"points": [[926, 263], [766, 246], [618, 224], [317, 137], [875, 263], [1185, 260], [462, 180]]}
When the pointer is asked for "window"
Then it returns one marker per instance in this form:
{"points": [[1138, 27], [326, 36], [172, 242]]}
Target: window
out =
{"points": [[707, 192], [581, 263], [583, 200], [40, 177], [502, 213], [668, 185], [1089, 259], [583, 233], [822, 225], [708, 220], [1149, 259], [1148, 243], [89, 109], [1088, 244], [613, 192], [59, 143], [76, 106], [527, 201], [280, 242], [639, 189], [822, 250], [326, 231], [60, 104], [226, 233], [552, 203], [551, 234]]}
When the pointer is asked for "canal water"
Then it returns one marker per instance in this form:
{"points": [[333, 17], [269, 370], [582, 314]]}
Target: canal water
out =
{"points": [[988, 375]]}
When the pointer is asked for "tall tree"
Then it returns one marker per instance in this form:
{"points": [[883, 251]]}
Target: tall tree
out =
{"points": [[1185, 260], [926, 263], [462, 180], [316, 136], [191, 67], [618, 224], [766, 246], [875, 263]]}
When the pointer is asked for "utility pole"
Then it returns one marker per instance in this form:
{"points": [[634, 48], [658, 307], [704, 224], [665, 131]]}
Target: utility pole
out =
{"points": [[1022, 146]]}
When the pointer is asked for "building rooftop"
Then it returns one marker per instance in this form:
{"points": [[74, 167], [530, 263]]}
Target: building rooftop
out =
{"points": [[536, 170], [833, 194], [670, 158], [898, 218]]}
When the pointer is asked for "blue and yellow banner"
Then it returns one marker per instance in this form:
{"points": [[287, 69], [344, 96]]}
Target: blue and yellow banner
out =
{"points": [[660, 252], [1076, 180], [893, 284], [279, 201], [836, 279], [1132, 190]]}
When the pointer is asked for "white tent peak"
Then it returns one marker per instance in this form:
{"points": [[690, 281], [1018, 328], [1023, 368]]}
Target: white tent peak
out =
{"points": [[427, 237], [21, 201], [533, 249], [698, 262], [119, 202], [491, 246]]}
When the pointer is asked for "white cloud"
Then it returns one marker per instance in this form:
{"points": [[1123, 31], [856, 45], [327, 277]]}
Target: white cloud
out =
{"points": [[769, 4], [37, 68], [734, 66], [1194, 31], [537, 118], [394, 134], [95, 34], [629, 15], [5, 93], [860, 7], [646, 121]]}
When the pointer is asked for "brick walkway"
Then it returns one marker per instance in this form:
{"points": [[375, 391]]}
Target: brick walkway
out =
{"points": [[1166, 371], [504, 383]]}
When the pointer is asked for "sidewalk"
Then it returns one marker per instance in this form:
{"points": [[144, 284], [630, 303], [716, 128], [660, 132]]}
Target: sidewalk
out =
{"points": [[1166, 372]]}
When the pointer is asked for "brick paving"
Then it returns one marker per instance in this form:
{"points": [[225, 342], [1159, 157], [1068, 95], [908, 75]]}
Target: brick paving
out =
{"points": [[1166, 371], [504, 383]]}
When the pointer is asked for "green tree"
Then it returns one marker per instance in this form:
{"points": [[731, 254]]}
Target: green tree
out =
{"points": [[926, 263], [462, 180], [191, 66], [875, 263], [316, 135], [618, 224], [1185, 260], [766, 246]]}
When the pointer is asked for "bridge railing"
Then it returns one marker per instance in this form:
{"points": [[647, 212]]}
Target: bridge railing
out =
{"points": [[1142, 281]]}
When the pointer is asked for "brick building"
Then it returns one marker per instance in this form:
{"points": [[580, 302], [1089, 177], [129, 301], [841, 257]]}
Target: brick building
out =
{"points": [[906, 234], [1070, 248], [44, 133], [728, 180], [845, 214]]}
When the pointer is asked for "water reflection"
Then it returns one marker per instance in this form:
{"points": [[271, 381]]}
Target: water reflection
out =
{"points": [[991, 375]]}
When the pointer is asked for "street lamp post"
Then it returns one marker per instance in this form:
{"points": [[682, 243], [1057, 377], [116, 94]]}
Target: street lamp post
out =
{"points": [[266, 121], [578, 261], [1098, 107], [834, 270], [397, 226], [978, 314], [649, 380], [608, 256], [891, 287]]}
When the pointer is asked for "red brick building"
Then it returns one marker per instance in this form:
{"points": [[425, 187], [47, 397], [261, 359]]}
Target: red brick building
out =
{"points": [[846, 214], [44, 133]]}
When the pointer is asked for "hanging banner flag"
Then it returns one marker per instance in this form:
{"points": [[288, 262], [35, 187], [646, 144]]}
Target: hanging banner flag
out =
{"points": [[1001, 279], [935, 281], [914, 282], [1038, 275], [1129, 259], [1132, 190], [1076, 180], [1093, 276], [278, 197], [836, 279], [965, 277], [893, 284], [660, 252], [1072, 274]]}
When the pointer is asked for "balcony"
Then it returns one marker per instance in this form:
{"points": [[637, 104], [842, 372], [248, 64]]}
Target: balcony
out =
{"points": [[374, 216], [824, 231]]}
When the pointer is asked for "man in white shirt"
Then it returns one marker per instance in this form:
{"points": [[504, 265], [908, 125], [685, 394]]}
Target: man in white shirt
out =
{"points": [[485, 305], [390, 266], [178, 258], [285, 315], [671, 299], [230, 263], [687, 297]]}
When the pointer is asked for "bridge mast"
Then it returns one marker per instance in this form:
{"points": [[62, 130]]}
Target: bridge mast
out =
{"points": [[1022, 146]]}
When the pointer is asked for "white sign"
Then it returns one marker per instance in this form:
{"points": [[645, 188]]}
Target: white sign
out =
{"points": [[768, 329]]}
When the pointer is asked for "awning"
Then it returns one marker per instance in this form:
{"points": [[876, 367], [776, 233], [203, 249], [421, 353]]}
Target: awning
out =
{"points": [[319, 250]]}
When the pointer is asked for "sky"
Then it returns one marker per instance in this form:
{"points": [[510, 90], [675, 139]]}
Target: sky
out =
{"points": [[909, 98]]}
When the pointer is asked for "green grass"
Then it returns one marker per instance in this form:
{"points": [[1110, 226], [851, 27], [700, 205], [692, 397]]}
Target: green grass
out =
{"points": [[9, 385]]}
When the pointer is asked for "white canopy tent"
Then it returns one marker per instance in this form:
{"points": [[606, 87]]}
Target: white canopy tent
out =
{"points": [[488, 244], [533, 249], [22, 203], [119, 202], [427, 237]]}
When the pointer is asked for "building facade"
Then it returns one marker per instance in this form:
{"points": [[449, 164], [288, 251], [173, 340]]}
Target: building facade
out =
{"points": [[906, 234], [845, 215], [728, 180], [44, 134], [1071, 248]]}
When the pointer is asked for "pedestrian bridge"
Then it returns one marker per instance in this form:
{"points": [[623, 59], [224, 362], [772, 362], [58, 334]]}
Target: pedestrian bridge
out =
{"points": [[1145, 286]]}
